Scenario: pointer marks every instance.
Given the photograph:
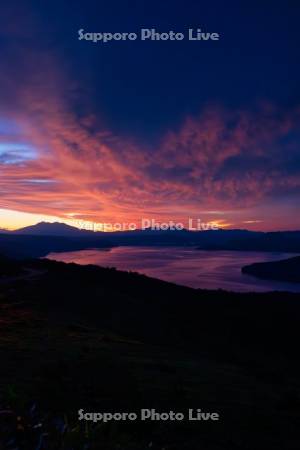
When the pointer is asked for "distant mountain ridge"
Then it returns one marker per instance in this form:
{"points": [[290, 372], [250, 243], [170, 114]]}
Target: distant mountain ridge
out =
{"points": [[62, 229], [43, 238], [53, 229]]}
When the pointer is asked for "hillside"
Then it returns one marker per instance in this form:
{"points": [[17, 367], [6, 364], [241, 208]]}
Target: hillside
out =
{"points": [[29, 246], [77, 337], [284, 270]]}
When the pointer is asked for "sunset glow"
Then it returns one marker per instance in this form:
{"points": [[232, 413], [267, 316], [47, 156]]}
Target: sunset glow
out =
{"points": [[62, 157]]}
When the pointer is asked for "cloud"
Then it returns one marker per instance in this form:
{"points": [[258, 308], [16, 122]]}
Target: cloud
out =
{"points": [[235, 157], [211, 162], [57, 158]]}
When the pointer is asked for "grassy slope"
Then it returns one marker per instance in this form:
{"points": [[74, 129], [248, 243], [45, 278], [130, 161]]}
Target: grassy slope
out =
{"points": [[83, 337]]}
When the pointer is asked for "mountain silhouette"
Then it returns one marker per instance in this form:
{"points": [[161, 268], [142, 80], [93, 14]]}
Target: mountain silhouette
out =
{"points": [[43, 238], [53, 229]]}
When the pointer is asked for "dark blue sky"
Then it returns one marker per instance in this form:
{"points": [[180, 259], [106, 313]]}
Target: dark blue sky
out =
{"points": [[145, 87]]}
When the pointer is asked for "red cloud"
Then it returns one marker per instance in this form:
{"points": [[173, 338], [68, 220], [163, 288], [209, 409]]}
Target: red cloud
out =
{"points": [[221, 160]]}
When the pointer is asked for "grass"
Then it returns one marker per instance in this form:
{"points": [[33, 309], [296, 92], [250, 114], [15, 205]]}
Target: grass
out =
{"points": [[78, 338]]}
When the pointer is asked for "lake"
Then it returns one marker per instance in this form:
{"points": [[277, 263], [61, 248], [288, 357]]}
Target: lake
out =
{"points": [[185, 265]]}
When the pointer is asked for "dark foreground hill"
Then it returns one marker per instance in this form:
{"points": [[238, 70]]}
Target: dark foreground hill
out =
{"points": [[284, 270], [82, 337]]}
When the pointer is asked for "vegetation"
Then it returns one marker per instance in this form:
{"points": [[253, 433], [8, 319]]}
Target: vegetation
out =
{"points": [[76, 337], [284, 270]]}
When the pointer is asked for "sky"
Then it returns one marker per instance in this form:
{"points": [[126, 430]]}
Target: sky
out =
{"points": [[124, 130]]}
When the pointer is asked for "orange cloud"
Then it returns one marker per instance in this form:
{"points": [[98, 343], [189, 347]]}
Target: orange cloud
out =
{"points": [[67, 164]]}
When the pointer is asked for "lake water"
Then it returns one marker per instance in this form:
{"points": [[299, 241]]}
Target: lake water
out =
{"points": [[185, 265]]}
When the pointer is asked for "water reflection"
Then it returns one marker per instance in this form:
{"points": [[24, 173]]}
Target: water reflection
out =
{"points": [[186, 266]]}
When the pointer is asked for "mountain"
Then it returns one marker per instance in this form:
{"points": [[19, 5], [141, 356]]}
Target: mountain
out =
{"points": [[53, 229], [3, 230], [43, 238], [283, 270], [279, 241]]}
